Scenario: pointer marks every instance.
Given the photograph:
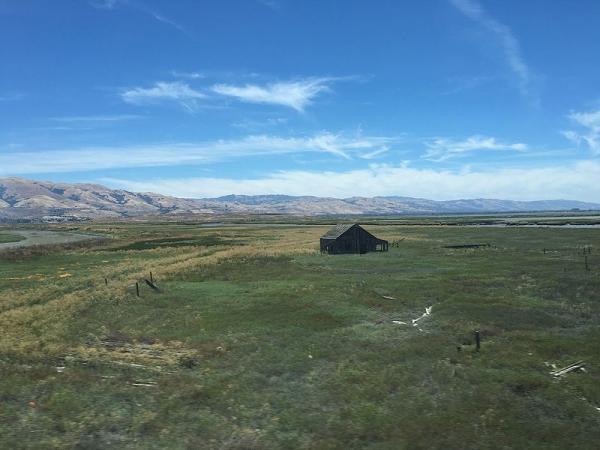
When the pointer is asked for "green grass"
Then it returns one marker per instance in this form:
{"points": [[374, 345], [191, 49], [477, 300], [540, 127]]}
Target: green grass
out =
{"points": [[298, 350], [9, 237]]}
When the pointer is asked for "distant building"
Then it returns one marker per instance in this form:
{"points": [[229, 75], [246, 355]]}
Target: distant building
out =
{"points": [[351, 238]]}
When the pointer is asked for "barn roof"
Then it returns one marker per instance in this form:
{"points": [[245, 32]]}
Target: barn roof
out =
{"points": [[338, 230]]}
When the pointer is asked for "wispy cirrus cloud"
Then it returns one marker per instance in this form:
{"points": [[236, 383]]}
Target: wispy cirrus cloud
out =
{"points": [[141, 7], [375, 153], [576, 181], [165, 20], [161, 92], [173, 154], [509, 43], [589, 122], [441, 149], [295, 94]]}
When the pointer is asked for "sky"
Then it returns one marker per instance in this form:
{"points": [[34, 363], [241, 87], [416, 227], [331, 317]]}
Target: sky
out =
{"points": [[439, 99]]}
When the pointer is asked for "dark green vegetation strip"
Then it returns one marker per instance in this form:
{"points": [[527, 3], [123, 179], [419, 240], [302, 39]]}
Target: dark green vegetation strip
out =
{"points": [[8, 237], [302, 351], [208, 240]]}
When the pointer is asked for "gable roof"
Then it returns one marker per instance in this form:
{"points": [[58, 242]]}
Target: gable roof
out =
{"points": [[338, 230]]}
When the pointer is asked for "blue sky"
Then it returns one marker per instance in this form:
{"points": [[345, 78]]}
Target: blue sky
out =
{"points": [[441, 99]]}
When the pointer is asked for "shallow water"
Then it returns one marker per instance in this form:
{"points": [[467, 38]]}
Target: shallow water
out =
{"points": [[531, 225], [43, 237]]}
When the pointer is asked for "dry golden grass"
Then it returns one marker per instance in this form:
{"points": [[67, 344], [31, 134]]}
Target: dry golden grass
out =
{"points": [[32, 320]]}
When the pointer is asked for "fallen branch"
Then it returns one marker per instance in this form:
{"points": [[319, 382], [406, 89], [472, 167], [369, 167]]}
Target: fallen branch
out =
{"points": [[422, 316], [147, 384], [570, 368]]}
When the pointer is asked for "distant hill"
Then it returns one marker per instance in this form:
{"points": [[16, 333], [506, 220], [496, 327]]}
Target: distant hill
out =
{"points": [[22, 199], [307, 205]]}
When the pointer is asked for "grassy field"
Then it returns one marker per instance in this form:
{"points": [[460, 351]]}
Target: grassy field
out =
{"points": [[8, 237], [256, 341]]}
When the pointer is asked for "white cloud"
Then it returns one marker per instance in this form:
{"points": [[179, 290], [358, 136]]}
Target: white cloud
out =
{"points": [[510, 45], [296, 94], [590, 121], [188, 75], [98, 158], [441, 149], [577, 181], [162, 91]]}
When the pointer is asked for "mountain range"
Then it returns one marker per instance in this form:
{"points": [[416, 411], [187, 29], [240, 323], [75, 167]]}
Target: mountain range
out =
{"points": [[22, 199]]}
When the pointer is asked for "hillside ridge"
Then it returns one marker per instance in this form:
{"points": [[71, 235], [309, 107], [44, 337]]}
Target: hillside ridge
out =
{"points": [[30, 199]]}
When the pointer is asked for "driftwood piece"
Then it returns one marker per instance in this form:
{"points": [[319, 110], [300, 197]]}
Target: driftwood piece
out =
{"points": [[570, 368], [422, 316], [383, 317], [144, 384]]}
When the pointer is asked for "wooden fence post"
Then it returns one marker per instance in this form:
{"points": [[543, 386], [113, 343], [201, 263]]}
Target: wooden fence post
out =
{"points": [[137, 289], [477, 340]]}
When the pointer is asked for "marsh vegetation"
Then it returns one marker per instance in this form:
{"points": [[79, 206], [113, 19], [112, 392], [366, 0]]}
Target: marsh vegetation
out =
{"points": [[257, 341], [6, 238]]}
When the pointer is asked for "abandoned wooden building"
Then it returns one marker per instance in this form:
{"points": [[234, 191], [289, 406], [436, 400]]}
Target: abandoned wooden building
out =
{"points": [[351, 238]]}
